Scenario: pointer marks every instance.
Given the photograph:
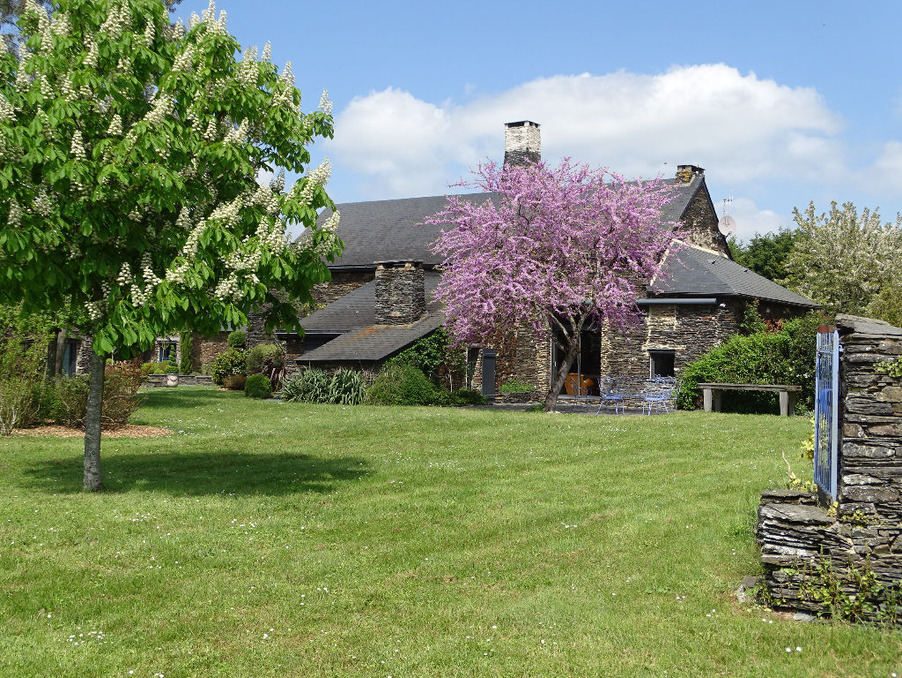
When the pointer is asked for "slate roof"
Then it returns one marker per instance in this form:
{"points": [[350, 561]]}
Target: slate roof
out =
{"points": [[379, 230], [354, 315], [373, 343], [697, 272]]}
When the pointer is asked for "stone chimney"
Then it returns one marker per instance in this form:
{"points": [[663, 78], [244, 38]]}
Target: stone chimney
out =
{"points": [[686, 173], [400, 292], [522, 143]]}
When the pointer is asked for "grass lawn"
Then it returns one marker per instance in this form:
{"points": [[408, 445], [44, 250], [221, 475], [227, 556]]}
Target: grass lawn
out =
{"points": [[274, 539]]}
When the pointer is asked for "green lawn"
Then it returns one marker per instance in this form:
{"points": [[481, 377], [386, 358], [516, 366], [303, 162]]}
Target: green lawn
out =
{"points": [[273, 539]]}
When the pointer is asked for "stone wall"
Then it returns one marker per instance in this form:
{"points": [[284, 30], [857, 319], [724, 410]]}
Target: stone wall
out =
{"points": [[688, 330], [700, 220], [400, 292], [805, 546]]}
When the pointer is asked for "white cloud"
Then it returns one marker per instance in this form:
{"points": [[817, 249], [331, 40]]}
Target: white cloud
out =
{"points": [[885, 175], [738, 126], [751, 220]]}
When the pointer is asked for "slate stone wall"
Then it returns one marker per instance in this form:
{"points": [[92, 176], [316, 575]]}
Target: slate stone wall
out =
{"points": [[801, 541], [400, 293], [700, 220], [689, 331]]}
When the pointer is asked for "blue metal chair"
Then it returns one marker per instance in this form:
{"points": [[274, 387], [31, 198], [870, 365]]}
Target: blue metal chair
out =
{"points": [[661, 390], [610, 393]]}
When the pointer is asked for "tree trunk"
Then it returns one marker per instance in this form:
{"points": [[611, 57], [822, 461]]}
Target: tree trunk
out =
{"points": [[92, 479], [563, 371], [59, 353]]}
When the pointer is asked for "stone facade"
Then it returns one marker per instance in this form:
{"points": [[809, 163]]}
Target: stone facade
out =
{"points": [[400, 292], [806, 548], [700, 219], [688, 330]]}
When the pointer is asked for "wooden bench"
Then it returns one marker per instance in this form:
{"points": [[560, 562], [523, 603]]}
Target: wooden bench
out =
{"points": [[711, 394]]}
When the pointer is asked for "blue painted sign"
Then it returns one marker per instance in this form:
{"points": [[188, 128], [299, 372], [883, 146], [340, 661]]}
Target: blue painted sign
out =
{"points": [[826, 411]]}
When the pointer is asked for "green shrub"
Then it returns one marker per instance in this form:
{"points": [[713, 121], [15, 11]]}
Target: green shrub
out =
{"points": [[436, 357], [515, 386], [268, 359], [784, 357], [347, 387], [258, 386], [401, 384], [229, 362], [23, 356], [463, 396], [309, 386], [186, 340], [237, 339], [344, 387], [120, 397]]}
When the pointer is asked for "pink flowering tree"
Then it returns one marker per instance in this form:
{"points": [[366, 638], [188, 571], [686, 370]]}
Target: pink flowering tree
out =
{"points": [[562, 248]]}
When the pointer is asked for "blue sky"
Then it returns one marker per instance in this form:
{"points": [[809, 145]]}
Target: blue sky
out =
{"points": [[781, 102]]}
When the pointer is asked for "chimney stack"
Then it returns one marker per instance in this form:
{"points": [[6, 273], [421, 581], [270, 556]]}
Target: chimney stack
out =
{"points": [[400, 292], [686, 173], [522, 143]]}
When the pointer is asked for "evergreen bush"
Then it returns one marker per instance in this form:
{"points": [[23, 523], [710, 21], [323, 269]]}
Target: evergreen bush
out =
{"points": [[401, 384], [258, 386], [230, 362], [783, 357], [237, 339]]}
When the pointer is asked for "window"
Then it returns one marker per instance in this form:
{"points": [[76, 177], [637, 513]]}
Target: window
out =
{"points": [[661, 363]]}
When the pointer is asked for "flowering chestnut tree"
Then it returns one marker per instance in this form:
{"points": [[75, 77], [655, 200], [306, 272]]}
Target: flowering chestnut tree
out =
{"points": [[566, 248], [131, 158]]}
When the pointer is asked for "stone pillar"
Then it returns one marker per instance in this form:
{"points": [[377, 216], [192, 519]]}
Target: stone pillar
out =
{"points": [[400, 292], [799, 538], [522, 143]]}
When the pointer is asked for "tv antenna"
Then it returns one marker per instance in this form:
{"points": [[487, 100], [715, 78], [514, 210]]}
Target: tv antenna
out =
{"points": [[727, 224]]}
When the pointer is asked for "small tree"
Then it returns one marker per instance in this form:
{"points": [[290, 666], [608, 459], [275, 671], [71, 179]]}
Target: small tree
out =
{"points": [[130, 152], [766, 254], [567, 247], [842, 259]]}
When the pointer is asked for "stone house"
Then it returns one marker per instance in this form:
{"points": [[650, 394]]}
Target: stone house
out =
{"points": [[379, 299]]}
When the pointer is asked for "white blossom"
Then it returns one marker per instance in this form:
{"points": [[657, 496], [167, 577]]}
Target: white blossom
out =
{"points": [[247, 69], [177, 30], [115, 128], [67, 89], [15, 214], [318, 177], [7, 111], [149, 33], [184, 60], [237, 135], [42, 204], [91, 56], [162, 108], [118, 19], [23, 80], [325, 105], [267, 52], [212, 132], [46, 89], [193, 20], [47, 40], [78, 146], [61, 24]]}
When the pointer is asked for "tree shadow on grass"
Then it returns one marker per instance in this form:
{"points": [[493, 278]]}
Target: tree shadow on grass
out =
{"points": [[199, 473]]}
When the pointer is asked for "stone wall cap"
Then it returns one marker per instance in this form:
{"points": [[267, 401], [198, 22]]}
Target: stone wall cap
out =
{"points": [[869, 326]]}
